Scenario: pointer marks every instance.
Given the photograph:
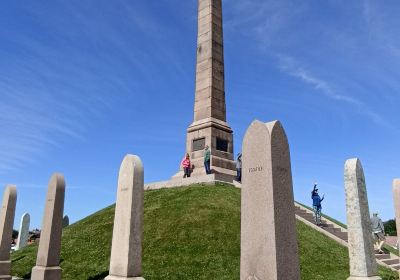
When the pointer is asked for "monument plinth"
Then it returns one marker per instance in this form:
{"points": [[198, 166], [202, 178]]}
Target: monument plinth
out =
{"points": [[209, 127]]}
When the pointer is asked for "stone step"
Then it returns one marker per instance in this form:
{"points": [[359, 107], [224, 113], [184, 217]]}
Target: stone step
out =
{"points": [[382, 256], [306, 215], [329, 226], [397, 267], [333, 230], [308, 218], [342, 235], [301, 212], [391, 261]]}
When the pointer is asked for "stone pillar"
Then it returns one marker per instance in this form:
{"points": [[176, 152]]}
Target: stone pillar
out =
{"points": [[361, 249], [269, 248], [126, 251], [396, 202], [7, 215], [48, 257], [209, 125], [23, 233]]}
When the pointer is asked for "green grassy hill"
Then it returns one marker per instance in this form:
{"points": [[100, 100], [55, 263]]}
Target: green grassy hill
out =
{"points": [[189, 233]]}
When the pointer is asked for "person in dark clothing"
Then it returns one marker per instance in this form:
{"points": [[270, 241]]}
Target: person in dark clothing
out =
{"points": [[317, 204], [378, 232], [239, 168]]}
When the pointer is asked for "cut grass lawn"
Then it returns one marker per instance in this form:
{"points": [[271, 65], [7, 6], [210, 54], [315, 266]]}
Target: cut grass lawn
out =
{"points": [[189, 233]]}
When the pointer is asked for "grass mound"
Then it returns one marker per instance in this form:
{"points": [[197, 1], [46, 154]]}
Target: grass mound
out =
{"points": [[189, 233]]}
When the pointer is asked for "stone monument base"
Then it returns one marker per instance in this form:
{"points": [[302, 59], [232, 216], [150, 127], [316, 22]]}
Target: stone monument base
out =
{"points": [[364, 278], [5, 269], [42, 272], [111, 277], [180, 182]]}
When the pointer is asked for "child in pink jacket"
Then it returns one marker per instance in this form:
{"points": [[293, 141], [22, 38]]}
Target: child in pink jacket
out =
{"points": [[186, 166]]}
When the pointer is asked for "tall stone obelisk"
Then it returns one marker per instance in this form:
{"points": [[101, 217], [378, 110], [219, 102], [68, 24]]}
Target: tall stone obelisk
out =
{"points": [[209, 126]]}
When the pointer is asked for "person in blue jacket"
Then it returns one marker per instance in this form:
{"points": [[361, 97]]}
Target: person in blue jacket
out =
{"points": [[317, 204]]}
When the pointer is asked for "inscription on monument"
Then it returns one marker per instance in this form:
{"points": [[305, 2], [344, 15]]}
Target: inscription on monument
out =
{"points": [[252, 277], [199, 144], [256, 169]]}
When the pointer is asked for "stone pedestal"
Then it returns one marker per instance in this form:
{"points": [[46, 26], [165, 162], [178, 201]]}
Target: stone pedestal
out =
{"points": [[5, 269], [7, 215], [123, 278], [48, 257], [361, 248], [365, 278], [44, 273], [126, 250], [269, 247], [211, 132]]}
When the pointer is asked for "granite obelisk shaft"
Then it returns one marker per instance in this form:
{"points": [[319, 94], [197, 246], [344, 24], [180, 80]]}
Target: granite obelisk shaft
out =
{"points": [[126, 251], [269, 249], [209, 127], [210, 88], [7, 215], [48, 257], [361, 249]]}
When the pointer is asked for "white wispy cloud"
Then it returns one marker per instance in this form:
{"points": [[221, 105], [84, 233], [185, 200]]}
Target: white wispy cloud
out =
{"points": [[58, 84], [292, 33], [289, 66]]}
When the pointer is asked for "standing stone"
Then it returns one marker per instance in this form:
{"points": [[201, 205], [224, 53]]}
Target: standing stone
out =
{"points": [[209, 125], [23, 233], [361, 248], [269, 248], [65, 221], [126, 251], [396, 200], [48, 257], [7, 215]]}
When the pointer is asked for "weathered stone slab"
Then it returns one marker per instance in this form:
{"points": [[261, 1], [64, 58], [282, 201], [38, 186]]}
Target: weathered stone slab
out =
{"points": [[48, 257], [7, 215], [396, 203], [23, 233], [126, 251], [269, 249], [361, 248]]}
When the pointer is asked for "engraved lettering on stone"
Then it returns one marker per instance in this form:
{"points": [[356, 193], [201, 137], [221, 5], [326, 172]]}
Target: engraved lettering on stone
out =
{"points": [[255, 169]]}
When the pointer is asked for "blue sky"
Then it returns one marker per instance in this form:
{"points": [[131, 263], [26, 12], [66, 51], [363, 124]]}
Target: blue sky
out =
{"points": [[84, 82]]}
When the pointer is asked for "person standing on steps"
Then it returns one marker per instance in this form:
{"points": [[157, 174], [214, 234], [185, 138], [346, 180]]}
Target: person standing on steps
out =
{"points": [[378, 232], [186, 166], [239, 168], [317, 204], [207, 160]]}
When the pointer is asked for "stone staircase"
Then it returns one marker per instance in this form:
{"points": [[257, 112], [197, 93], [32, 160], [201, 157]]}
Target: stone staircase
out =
{"points": [[339, 234]]}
